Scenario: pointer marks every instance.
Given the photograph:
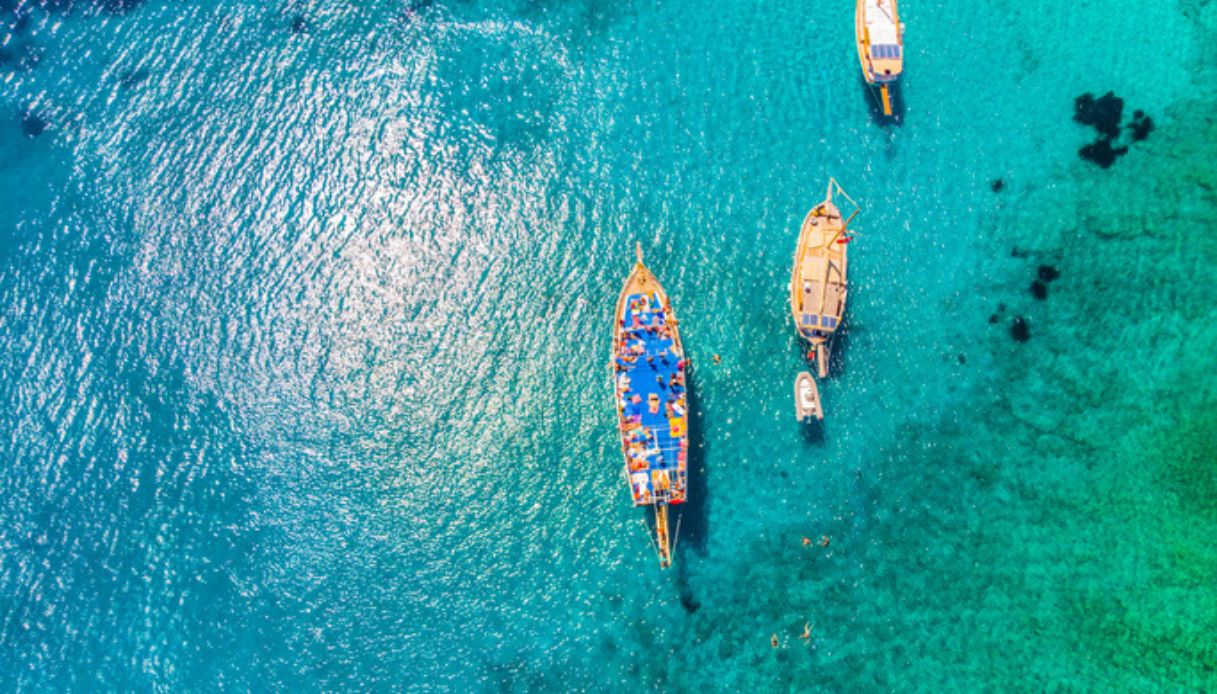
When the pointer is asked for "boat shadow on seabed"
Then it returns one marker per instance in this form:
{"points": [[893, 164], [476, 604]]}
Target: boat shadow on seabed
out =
{"points": [[694, 517], [874, 103]]}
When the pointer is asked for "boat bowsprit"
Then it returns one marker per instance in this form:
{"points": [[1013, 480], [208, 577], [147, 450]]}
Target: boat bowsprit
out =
{"points": [[650, 392]]}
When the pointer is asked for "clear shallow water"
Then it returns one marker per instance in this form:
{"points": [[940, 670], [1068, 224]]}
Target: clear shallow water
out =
{"points": [[305, 335]]}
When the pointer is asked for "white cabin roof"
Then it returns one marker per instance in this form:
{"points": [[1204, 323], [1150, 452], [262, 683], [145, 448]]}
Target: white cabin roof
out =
{"points": [[881, 22]]}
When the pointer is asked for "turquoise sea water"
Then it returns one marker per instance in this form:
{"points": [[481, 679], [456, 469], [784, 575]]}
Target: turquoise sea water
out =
{"points": [[307, 306]]}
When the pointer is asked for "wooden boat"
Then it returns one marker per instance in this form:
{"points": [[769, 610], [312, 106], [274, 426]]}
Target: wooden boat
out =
{"points": [[818, 285], [880, 45], [650, 392], [807, 398]]}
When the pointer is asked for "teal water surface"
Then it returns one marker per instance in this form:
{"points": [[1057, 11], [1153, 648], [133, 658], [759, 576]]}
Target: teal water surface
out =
{"points": [[307, 311]]}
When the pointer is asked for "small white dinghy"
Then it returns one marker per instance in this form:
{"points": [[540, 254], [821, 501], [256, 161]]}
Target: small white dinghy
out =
{"points": [[807, 398]]}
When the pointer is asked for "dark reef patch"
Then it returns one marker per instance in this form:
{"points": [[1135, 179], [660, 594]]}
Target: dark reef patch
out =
{"points": [[1039, 290], [1104, 114], [19, 57], [132, 78], [1141, 126], [33, 124], [417, 6], [299, 24], [1047, 273], [688, 602], [1020, 331], [20, 21], [413, 10], [993, 319], [997, 185], [1102, 153]]}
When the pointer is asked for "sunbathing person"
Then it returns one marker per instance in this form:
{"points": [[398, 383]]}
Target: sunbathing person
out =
{"points": [[653, 403]]}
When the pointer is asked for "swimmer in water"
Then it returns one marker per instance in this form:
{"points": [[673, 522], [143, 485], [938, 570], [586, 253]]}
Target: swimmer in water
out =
{"points": [[718, 359], [823, 540], [773, 641], [806, 631], [807, 542]]}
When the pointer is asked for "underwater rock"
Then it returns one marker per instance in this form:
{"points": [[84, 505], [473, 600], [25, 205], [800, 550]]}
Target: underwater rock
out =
{"points": [[1039, 290], [1102, 153], [33, 124], [21, 22], [963, 358], [997, 185], [1047, 273], [1019, 330], [19, 57], [689, 603], [993, 319], [299, 24], [1102, 113], [1141, 126]]}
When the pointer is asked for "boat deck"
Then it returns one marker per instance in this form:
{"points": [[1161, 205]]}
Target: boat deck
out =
{"points": [[819, 283], [881, 24], [650, 387]]}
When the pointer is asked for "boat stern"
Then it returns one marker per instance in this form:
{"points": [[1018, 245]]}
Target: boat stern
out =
{"points": [[885, 64]]}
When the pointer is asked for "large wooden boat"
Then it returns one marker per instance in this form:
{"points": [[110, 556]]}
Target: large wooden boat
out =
{"points": [[818, 285], [649, 387], [880, 38]]}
